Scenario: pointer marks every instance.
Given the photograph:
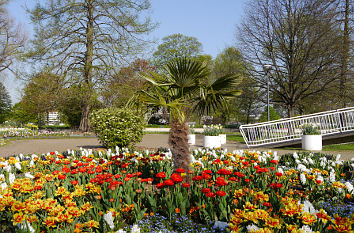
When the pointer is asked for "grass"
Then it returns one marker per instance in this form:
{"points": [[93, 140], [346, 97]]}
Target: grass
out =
{"points": [[347, 146], [235, 137], [333, 147]]}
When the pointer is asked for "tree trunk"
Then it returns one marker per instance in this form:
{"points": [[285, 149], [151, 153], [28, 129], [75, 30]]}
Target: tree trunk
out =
{"points": [[291, 111], [345, 58], [179, 146], [84, 123]]}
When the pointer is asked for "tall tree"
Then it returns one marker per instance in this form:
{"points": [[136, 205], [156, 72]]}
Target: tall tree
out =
{"points": [[125, 84], [87, 39], [12, 39], [5, 103], [42, 93], [346, 84], [243, 106], [299, 39], [177, 45], [19, 115]]}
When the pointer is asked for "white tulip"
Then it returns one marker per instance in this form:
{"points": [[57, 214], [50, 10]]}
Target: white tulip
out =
{"points": [[121, 231], [109, 219], [332, 176], [252, 228], [349, 187], [12, 178], [338, 157], [306, 229], [3, 186], [135, 229], [28, 175], [303, 178]]}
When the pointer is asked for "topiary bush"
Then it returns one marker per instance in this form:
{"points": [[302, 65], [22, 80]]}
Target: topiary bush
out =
{"points": [[117, 126]]}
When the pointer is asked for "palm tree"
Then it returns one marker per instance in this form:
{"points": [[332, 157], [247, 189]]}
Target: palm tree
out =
{"points": [[183, 86]]}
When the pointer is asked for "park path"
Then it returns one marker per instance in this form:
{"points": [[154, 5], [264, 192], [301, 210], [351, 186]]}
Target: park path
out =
{"points": [[150, 141]]}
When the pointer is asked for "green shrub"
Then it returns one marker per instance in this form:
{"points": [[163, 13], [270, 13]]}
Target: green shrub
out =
{"points": [[117, 127]]}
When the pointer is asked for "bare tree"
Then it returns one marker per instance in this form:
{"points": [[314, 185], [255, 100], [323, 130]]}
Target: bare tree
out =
{"points": [[87, 39], [346, 82], [299, 39], [12, 39]]}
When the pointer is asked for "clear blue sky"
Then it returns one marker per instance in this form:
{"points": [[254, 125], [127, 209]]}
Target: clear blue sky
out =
{"points": [[212, 22]]}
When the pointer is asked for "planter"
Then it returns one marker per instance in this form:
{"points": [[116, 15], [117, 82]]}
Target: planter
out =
{"points": [[191, 139], [222, 138], [212, 141], [312, 142]]}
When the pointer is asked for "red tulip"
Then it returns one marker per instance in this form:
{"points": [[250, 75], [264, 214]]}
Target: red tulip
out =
{"points": [[176, 178], [168, 183], [220, 193], [180, 170], [206, 190], [161, 175]]}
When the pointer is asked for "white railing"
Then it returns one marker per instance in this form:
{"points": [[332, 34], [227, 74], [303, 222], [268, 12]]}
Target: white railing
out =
{"points": [[289, 129]]}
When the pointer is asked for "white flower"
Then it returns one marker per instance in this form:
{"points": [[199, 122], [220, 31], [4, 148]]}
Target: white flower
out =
{"points": [[12, 178], [252, 228], [135, 229], [304, 160], [303, 178], [349, 187], [295, 155], [18, 166], [109, 219], [302, 168], [220, 225], [306, 229], [338, 157], [311, 161], [308, 207], [3, 186], [280, 170], [23, 226], [28, 175], [121, 231], [323, 164], [332, 176]]}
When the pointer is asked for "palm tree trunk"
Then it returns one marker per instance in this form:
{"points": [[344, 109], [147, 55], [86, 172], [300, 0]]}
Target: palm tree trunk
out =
{"points": [[178, 142]]}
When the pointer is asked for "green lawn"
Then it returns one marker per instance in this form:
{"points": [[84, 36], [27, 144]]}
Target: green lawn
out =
{"points": [[347, 146], [235, 137], [334, 147]]}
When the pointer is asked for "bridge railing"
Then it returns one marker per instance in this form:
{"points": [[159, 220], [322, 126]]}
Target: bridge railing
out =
{"points": [[288, 129]]}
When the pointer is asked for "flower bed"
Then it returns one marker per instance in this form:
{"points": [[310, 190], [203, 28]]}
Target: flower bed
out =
{"points": [[25, 133], [87, 191]]}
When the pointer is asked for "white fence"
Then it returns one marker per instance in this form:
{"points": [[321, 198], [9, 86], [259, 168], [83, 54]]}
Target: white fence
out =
{"points": [[288, 129]]}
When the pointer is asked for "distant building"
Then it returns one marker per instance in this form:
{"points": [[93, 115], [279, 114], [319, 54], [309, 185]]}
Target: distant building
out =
{"points": [[53, 118]]}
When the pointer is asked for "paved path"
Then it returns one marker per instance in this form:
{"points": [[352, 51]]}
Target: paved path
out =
{"points": [[150, 141]]}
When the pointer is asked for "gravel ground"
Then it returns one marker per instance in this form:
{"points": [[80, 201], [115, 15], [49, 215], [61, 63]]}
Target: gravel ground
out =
{"points": [[150, 141]]}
